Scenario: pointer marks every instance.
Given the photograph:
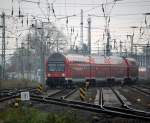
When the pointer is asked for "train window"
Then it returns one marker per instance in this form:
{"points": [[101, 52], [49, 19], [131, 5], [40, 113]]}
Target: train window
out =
{"points": [[52, 67], [59, 67]]}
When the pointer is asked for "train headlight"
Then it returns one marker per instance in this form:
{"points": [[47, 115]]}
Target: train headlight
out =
{"points": [[49, 75], [63, 74]]}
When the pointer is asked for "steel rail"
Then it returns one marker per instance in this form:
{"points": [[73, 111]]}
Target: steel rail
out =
{"points": [[144, 86], [80, 105], [139, 89], [69, 94], [122, 110], [8, 97], [54, 94], [12, 94], [62, 93], [85, 106], [128, 108]]}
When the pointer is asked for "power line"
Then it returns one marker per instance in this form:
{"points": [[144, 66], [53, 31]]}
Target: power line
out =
{"points": [[134, 14], [75, 15], [88, 4]]}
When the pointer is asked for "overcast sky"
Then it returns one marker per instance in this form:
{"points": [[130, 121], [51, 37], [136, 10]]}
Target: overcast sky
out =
{"points": [[123, 15]]}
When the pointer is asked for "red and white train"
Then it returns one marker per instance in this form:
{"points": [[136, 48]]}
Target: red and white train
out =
{"points": [[69, 69]]}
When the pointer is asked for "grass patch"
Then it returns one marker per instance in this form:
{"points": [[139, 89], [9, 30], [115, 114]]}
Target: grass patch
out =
{"points": [[31, 115]]}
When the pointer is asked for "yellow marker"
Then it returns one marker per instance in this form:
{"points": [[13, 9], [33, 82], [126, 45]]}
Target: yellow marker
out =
{"points": [[40, 88], [82, 93], [139, 100], [16, 104]]}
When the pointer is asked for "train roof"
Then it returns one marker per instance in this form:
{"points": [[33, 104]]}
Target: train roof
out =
{"points": [[108, 60], [56, 57], [81, 58], [132, 61], [76, 57], [69, 57]]}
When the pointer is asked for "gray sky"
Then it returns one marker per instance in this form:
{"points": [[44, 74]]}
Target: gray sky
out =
{"points": [[125, 13]]}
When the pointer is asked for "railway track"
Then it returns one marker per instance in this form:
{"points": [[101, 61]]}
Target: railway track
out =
{"points": [[8, 97], [125, 107], [140, 99], [8, 94], [89, 107], [13, 91], [146, 87], [110, 98], [101, 108], [142, 90], [63, 94]]}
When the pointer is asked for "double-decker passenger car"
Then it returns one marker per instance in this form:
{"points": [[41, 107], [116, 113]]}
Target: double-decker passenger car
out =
{"points": [[70, 69]]}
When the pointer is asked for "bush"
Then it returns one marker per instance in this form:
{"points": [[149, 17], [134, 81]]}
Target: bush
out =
{"points": [[31, 115]]}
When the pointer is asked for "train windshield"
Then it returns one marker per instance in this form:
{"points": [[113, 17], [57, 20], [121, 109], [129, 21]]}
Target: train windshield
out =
{"points": [[59, 67]]}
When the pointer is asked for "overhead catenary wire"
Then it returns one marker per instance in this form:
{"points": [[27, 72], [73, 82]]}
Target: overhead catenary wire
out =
{"points": [[78, 14], [88, 4], [64, 16]]}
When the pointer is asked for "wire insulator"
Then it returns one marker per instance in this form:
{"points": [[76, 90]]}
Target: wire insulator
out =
{"points": [[27, 21], [12, 11], [67, 21], [19, 12], [22, 21]]}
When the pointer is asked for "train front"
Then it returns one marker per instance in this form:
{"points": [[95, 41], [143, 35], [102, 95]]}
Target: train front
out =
{"points": [[55, 70]]}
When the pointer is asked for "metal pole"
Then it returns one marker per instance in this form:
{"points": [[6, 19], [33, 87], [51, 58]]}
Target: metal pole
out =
{"points": [[104, 49], [132, 44], [120, 48], [42, 56], [57, 45], [28, 57], [89, 35], [36, 38], [146, 61], [81, 33], [136, 55], [108, 35], [3, 46], [107, 45], [17, 59], [22, 55], [89, 45]]}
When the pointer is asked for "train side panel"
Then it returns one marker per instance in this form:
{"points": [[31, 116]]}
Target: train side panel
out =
{"points": [[132, 70], [65, 69]]}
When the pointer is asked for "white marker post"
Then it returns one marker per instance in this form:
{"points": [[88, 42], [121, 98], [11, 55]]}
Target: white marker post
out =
{"points": [[25, 96]]}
